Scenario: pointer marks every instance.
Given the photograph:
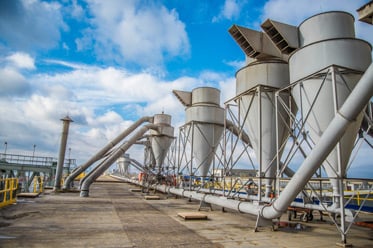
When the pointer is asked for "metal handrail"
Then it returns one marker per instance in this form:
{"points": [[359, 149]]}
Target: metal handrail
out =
{"points": [[8, 188]]}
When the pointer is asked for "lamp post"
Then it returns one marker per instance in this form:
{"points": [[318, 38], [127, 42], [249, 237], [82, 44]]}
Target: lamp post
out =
{"points": [[33, 153], [69, 161], [5, 147]]}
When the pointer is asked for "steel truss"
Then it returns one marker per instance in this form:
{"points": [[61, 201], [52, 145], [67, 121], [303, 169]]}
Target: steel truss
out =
{"points": [[237, 152], [301, 143], [186, 162]]}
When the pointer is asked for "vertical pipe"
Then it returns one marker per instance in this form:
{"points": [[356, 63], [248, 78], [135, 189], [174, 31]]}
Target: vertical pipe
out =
{"points": [[336, 187], [179, 157], [278, 175], [191, 158], [61, 158], [260, 144], [340, 197], [224, 145]]}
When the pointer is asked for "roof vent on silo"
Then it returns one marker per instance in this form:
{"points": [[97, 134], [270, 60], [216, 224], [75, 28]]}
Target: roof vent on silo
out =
{"points": [[366, 13], [284, 36], [253, 43], [185, 97]]}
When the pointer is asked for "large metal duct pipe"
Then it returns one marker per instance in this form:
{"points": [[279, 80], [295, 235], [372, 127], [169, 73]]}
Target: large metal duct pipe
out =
{"points": [[367, 125], [89, 179], [61, 158], [238, 132], [137, 164], [222, 201], [93, 171], [100, 154]]}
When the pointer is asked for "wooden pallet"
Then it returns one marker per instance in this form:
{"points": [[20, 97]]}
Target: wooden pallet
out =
{"points": [[28, 195], [152, 197], [192, 216]]}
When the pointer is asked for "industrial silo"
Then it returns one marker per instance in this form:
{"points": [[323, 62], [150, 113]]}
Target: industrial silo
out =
{"points": [[205, 121], [323, 71], [256, 86], [123, 163], [160, 144]]}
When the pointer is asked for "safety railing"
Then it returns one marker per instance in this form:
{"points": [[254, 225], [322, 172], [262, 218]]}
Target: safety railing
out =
{"points": [[8, 188], [359, 199], [38, 184], [30, 161]]}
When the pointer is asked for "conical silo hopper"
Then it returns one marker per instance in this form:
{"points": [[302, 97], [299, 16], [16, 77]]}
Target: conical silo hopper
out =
{"points": [[256, 85], [324, 70], [123, 163], [206, 119], [160, 144]]}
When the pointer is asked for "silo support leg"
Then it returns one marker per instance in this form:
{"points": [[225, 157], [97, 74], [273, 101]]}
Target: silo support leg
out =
{"points": [[263, 222]]}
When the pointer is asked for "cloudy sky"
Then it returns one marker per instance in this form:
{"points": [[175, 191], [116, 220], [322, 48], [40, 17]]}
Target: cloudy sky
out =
{"points": [[108, 63]]}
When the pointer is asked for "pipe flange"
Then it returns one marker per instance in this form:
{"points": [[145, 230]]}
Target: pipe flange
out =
{"points": [[238, 207]]}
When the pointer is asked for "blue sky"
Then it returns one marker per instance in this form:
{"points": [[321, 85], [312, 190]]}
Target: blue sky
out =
{"points": [[108, 63]]}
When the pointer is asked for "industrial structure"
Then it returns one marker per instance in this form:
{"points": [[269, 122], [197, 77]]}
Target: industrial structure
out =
{"points": [[302, 93], [303, 101]]}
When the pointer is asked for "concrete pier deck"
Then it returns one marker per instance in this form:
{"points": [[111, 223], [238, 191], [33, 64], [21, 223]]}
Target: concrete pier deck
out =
{"points": [[115, 216]]}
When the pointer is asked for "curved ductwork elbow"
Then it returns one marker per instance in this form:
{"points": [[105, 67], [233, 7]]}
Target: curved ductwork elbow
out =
{"points": [[105, 150], [84, 191]]}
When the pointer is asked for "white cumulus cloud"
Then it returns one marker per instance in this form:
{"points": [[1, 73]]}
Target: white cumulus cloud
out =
{"points": [[12, 82], [30, 24], [229, 11], [21, 60], [128, 31]]}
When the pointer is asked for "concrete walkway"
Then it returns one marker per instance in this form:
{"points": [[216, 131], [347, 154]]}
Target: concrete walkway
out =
{"points": [[114, 216]]}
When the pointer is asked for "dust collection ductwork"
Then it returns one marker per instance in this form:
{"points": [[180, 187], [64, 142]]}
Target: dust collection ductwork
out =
{"points": [[104, 152], [161, 136]]}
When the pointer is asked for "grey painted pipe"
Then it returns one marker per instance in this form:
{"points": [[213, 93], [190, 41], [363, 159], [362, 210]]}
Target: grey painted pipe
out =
{"points": [[84, 192], [137, 165], [100, 154], [244, 207], [61, 158], [354, 104], [269, 200], [92, 171], [365, 125], [237, 205], [236, 131]]}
